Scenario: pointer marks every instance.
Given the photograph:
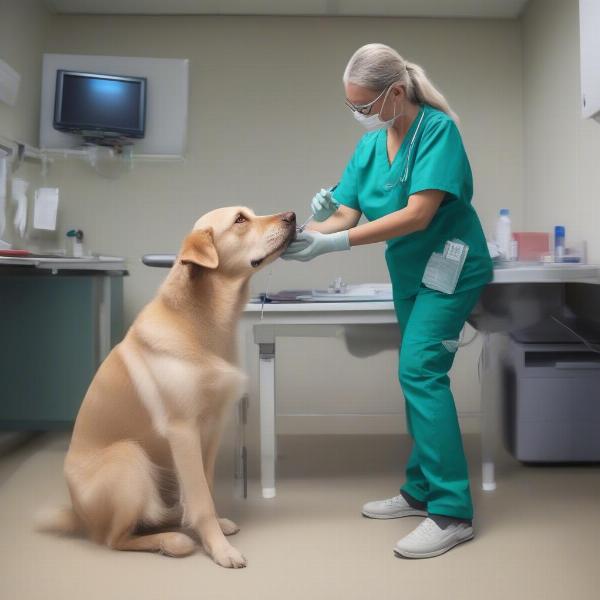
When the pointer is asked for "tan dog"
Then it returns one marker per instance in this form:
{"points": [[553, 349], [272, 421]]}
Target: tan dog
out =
{"points": [[145, 440]]}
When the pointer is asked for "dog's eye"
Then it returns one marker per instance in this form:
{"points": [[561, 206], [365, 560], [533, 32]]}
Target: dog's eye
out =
{"points": [[240, 219]]}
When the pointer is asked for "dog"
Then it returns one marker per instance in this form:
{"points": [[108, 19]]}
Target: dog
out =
{"points": [[145, 440]]}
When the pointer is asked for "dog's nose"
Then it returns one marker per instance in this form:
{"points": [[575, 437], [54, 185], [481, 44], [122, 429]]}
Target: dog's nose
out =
{"points": [[289, 217]]}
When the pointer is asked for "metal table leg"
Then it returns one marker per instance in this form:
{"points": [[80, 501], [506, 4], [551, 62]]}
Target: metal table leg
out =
{"points": [[268, 442], [488, 480], [240, 459]]}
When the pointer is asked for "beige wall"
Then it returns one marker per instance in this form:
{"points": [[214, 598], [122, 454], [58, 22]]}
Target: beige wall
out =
{"points": [[23, 30], [23, 26], [561, 150], [268, 128]]}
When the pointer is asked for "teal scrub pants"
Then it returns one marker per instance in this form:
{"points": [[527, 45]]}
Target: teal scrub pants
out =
{"points": [[437, 471]]}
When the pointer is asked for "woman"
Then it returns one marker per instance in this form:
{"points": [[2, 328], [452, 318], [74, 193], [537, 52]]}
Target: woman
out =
{"points": [[411, 178]]}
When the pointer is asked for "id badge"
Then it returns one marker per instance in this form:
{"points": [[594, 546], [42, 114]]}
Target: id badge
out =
{"points": [[443, 270]]}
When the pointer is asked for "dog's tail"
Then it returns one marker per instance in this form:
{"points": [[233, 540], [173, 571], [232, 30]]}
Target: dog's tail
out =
{"points": [[58, 520]]}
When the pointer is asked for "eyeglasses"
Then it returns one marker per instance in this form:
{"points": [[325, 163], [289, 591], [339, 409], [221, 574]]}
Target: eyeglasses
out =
{"points": [[364, 109]]}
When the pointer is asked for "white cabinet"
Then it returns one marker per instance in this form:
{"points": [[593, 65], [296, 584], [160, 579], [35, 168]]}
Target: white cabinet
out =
{"points": [[589, 39]]}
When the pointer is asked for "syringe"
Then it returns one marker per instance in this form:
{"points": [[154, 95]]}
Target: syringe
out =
{"points": [[312, 216]]}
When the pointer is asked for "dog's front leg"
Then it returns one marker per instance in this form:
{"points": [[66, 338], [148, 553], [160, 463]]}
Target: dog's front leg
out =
{"points": [[198, 505], [211, 450]]}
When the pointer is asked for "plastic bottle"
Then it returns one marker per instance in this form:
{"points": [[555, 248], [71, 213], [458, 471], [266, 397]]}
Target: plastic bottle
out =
{"points": [[77, 236], [559, 243], [514, 249], [504, 233]]}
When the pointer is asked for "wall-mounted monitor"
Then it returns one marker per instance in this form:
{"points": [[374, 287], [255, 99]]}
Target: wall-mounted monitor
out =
{"points": [[99, 105], [167, 92]]}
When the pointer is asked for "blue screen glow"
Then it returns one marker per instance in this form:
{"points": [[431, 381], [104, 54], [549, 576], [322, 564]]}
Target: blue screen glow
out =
{"points": [[98, 103]]}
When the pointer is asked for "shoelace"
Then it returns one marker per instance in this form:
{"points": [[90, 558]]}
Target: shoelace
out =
{"points": [[427, 528], [394, 500]]}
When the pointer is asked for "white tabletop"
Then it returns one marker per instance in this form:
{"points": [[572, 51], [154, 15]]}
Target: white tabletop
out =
{"points": [[515, 273], [511, 272], [85, 263], [295, 307], [546, 273]]}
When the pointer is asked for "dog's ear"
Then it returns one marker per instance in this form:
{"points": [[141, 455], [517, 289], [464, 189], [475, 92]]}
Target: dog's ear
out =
{"points": [[199, 249]]}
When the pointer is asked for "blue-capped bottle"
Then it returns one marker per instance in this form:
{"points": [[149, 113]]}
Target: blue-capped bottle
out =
{"points": [[559, 243]]}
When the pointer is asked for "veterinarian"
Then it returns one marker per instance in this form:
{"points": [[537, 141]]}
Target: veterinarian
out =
{"points": [[410, 176]]}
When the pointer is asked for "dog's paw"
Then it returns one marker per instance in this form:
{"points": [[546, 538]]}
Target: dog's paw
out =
{"points": [[229, 557], [228, 527]]}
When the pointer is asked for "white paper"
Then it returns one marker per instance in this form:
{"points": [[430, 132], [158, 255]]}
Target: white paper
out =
{"points": [[19, 196], [3, 171], [45, 208]]}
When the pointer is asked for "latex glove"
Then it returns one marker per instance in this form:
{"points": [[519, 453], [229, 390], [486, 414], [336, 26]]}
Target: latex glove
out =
{"points": [[323, 205], [310, 244]]}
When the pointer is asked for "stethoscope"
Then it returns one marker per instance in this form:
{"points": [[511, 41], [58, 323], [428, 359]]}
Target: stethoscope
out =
{"points": [[404, 176]]}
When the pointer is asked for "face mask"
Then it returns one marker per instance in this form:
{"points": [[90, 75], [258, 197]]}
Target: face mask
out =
{"points": [[373, 122]]}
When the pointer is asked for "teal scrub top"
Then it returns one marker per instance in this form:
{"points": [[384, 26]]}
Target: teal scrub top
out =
{"points": [[432, 156]]}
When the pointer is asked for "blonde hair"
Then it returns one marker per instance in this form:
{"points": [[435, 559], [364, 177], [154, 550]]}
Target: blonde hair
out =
{"points": [[377, 66]]}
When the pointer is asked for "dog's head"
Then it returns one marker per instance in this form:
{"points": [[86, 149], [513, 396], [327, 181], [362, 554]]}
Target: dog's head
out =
{"points": [[237, 242]]}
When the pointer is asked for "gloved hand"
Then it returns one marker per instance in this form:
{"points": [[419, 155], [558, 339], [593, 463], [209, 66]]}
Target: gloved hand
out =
{"points": [[310, 244], [323, 205]]}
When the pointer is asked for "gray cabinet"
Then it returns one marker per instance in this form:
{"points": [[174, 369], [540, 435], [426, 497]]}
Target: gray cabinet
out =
{"points": [[53, 336]]}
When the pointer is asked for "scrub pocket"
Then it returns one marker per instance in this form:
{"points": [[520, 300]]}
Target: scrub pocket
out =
{"points": [[443, 270]]}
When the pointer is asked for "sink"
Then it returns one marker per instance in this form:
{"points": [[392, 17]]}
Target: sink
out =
{"points": [[509, 307], [520, 296], [502, 307], [523, 294]]}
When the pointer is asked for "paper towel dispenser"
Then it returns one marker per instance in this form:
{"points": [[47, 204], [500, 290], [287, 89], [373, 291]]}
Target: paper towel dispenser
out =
{"points": [[589, 26]]}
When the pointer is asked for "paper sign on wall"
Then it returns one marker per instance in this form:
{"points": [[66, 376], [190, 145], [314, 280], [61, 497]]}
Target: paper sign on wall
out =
{"points": [[45, 208]]}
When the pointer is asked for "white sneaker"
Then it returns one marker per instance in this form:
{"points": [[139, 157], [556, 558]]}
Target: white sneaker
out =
{"points": [[392, 508], [428, 539]]}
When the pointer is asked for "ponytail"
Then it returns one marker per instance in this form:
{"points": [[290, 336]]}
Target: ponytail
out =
{"points": [[424, 92]]}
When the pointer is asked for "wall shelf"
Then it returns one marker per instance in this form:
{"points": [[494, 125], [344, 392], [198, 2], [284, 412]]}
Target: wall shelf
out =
{"points": [[18, 152], [87, 153]]}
